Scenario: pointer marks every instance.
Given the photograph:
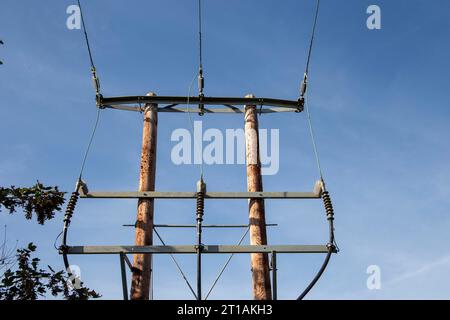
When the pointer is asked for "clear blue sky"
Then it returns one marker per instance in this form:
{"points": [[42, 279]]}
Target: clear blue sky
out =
{"points": [[379, 101]]}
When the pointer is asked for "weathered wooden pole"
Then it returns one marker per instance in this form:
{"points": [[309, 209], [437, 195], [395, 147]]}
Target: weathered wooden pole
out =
{"points": [[142, 263], [257, 220]]}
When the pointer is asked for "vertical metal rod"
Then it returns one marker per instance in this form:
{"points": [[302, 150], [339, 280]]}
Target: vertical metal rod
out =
{"points": [[199, 260], [142, 273], [274, 275], [258, 236], [201, 190], [124, 276]]}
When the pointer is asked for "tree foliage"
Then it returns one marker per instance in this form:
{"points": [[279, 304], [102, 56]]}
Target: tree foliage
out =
{"points": [[39, 199], [24, 279], [30, 282]]}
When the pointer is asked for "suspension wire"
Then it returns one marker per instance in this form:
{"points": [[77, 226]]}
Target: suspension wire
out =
{"points": [[86, 35], [191, 122], [304, 86], [177, 265], [88, 148], [95, 78], [313, 33], [331, 246], [200, 36], [226, 264], [74, 197], [201, 79], [313, 139], [198, 75], [96, 85]]}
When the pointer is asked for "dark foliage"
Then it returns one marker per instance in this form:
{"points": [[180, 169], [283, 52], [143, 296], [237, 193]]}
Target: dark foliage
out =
{"points": [[30, 282], [43, 201]]}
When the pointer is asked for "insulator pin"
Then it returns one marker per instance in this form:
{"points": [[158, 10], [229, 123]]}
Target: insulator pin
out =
{"points": [[304, 85], [95, 81], [201, 83], [201, 86]]}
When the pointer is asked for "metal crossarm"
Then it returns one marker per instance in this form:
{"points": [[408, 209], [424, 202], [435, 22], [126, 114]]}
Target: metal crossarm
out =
{"points": [[176, 100], [192, 249], [175, 109], [208, 195]]}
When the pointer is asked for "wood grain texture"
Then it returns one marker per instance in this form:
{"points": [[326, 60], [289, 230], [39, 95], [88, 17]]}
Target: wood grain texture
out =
{"points": [[258, 236], [142, 263]]}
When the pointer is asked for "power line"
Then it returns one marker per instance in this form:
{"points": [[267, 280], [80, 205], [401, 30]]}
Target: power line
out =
{"points": [[95, 78], [88, 148], [312, 36], [200, 36], [303, 90]]}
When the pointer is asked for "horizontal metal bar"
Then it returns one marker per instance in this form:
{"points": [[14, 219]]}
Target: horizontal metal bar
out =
{"points": [[207, 225], [104, 101], [190, 249], [208, 195], [197, 110]]}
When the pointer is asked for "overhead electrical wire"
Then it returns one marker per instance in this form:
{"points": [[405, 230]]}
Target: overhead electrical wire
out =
{"points": [[79, 184], [200, 35], [312, 36], [191, 122], [198, 75], [331, 246], [303, 90], [95, 78]]}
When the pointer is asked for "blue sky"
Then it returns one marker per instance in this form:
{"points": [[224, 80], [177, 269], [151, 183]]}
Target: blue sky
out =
{"points": [[378, 101]]}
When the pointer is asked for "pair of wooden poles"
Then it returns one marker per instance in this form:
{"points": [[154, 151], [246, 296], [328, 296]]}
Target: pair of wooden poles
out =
{"points": [[142, 264]]}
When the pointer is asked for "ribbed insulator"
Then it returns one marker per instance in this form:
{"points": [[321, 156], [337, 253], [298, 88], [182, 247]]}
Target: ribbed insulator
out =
{"points": [[328, 205], [71, 206], [200, 205]]}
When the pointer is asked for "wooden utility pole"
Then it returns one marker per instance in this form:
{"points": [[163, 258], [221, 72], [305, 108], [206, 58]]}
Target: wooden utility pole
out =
{"points": [[257, 220], [142, 263]]}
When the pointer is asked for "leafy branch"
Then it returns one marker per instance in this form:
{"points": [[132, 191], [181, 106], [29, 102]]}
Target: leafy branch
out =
{"points": [[30, 282], [43, 201]]}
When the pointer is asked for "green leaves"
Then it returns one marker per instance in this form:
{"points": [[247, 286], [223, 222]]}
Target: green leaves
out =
{"points": [[30, 282], [39, 199]]}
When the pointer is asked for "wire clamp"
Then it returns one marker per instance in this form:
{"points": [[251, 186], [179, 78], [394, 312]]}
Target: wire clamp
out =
{"points": [[300, 104], [63, 249]]}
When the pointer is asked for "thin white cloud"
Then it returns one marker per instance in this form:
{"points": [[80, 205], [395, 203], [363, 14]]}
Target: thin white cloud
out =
{"points": [[444, 261]]}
